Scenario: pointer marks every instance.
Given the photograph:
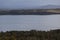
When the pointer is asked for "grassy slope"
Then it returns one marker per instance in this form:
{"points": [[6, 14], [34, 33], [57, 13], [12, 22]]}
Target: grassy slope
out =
{"points": [[54, 11]]}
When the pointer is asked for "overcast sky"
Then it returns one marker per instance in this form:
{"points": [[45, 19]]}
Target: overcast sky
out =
{"points": [[26, 3]]}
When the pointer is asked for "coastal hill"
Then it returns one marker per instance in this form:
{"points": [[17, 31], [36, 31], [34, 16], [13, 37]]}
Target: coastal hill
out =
{"points": [[40, 10], [30, 12], [50, 7]]}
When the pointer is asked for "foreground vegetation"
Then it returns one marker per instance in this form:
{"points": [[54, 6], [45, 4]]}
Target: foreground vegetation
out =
{"points": [[30, 35]]}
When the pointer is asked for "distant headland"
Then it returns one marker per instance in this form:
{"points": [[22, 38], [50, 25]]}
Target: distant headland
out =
{"points": [[30, 12]]}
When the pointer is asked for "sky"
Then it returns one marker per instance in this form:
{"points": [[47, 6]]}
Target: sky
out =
{"points": [[23, 4]]}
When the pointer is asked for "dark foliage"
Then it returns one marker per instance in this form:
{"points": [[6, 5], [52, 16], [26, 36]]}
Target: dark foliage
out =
{"points": [[26, 12], [30, 35]]}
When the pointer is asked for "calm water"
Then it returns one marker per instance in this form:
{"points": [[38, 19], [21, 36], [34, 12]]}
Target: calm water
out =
{"points": [[28, 22]]}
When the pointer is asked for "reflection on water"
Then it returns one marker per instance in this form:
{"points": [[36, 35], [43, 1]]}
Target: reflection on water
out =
{"points": [[28, 22]]}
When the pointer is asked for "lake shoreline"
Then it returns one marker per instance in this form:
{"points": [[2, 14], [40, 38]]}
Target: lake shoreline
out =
{"points": [[32, 13]]}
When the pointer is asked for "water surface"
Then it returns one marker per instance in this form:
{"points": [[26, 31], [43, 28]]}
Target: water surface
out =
{"points": [[28, 22]]}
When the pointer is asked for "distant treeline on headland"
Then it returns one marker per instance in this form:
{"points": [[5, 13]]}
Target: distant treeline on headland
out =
{"points": [[29, 12], [30, 35]]}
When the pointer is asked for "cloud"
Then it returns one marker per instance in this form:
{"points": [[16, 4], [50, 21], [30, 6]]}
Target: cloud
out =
{"points": [[17, 3], [26, 3]]}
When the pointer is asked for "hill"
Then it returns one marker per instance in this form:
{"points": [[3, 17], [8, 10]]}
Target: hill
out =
{"points": [[30, 12]]}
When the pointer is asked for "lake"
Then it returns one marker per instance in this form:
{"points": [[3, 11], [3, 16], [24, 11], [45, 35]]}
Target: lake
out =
{"points": [[29, 22]]}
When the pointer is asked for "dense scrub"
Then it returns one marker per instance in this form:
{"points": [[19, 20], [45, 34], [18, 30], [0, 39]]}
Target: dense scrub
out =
{"points": [[30, 35]]}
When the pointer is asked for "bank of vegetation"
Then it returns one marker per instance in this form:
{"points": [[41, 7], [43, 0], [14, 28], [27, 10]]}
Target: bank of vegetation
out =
{"points": [[30, 35]]}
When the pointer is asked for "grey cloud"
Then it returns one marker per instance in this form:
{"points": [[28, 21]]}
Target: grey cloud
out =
{"points": [[26, 3]]}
